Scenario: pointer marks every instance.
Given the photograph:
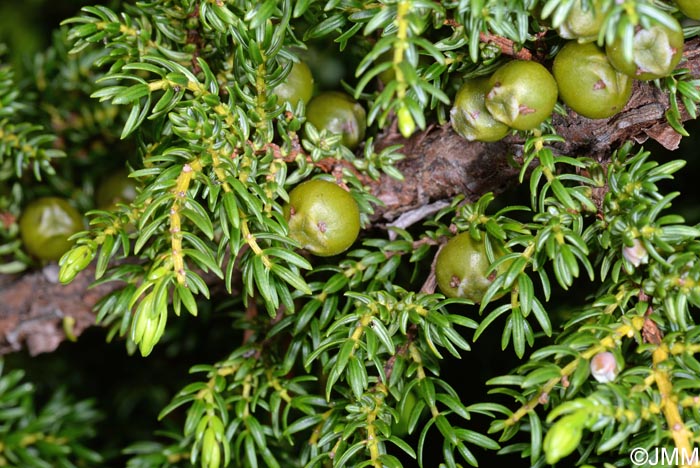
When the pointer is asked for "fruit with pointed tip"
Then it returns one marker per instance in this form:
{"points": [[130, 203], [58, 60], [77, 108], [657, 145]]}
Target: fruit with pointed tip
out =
{"points": [[522, 94], [470, 117], [656, 50]]}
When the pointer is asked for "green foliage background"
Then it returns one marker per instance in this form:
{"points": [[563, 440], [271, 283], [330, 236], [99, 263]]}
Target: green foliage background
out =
{"points": [[121, 395]]}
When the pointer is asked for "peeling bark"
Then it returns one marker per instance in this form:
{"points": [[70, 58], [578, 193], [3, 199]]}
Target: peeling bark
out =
{"points": [[439, 164], [36, 310]]}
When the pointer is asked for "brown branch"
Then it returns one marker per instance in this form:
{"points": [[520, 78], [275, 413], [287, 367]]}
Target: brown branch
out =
{"points": [[506, 46], [36, 310], [439, 164]]}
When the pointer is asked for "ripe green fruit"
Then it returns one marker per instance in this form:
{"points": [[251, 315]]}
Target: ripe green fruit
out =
{"points": [[322, 217], [522, 94], [655, 51], [588, 83], [45, 226], [690, 8], [116, 188], [583, 24], [469, 116], [338, 113], [461, 268], [298, 86]]}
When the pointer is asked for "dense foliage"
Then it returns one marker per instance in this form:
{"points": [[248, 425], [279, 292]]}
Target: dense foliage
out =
{"points": [[336, 359]]}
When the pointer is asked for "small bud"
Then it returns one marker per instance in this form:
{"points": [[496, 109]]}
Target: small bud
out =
{"points": [[604, 367], [211, 452], [150, 335], [406, 123], [636, 253], [74, 261], [138, 327], [563, 437]]}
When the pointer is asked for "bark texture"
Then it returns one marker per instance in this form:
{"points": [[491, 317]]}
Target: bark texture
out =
{"points": [[36, 310]]}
